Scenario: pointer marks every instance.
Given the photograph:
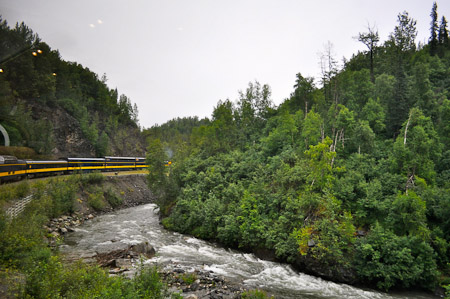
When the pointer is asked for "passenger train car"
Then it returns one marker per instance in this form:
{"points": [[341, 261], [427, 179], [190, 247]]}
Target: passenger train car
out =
{"points": [[12, 168]]}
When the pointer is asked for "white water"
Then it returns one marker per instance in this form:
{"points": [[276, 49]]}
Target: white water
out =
{"points": [[138, 224]]}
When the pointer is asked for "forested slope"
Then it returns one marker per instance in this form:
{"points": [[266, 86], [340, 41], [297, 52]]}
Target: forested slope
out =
{"points": [[349, 180], [57, 107]]}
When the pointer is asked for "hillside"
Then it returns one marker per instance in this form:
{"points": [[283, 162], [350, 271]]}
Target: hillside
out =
{"points": [[347, 179], [60, 108]]}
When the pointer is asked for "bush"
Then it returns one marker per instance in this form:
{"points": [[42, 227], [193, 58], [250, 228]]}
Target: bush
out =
{"points": [[255, 294], [189, 278], [18, 151], [62, 194], [22, 239], [95, 200], [112, 198], [14, 191], [53, 279], [391, 261], [93, 178]]}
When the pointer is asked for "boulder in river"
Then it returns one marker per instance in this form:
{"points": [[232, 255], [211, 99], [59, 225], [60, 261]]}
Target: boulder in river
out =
{"points": [[115, 257], [143, 248]]}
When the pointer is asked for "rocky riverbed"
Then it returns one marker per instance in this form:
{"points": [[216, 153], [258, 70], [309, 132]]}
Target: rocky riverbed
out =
{"points": [[123, 259]]}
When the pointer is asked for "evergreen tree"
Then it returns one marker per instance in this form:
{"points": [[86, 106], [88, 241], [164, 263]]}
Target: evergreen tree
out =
{"points": [[302, 96], [443, 33], [434, 30], [401, 44]]}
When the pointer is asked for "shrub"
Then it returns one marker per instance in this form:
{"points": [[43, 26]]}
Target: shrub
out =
{"points": [[93, 178], [255, 294], [14, 191], [95, 200], [62, 194], [390, 261], [189, 278], [113, 199]]}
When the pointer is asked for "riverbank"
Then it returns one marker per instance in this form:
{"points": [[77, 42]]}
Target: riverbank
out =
{"points": [[113, 193]]}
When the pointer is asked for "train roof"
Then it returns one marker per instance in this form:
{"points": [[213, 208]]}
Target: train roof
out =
{"points": [[44, 162], [85, 159], [122, 158], [7, 159]]}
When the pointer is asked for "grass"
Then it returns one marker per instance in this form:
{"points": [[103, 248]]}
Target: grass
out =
{"points": [[189, 278], [255, 294], [10, 192]]}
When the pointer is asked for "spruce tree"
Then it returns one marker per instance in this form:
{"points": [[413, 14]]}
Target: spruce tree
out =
{"points": [[434, 29], [443, 32]]}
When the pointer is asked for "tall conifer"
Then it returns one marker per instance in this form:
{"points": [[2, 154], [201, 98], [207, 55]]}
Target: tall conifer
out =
{"points": [[434, 29]]}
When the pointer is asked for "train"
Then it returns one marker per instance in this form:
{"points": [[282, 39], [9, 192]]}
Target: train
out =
{"points": [[12, 168]]}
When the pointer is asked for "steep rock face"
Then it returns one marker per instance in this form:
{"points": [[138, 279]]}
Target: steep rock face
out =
{"points": [[67, 136], [68, 139]]}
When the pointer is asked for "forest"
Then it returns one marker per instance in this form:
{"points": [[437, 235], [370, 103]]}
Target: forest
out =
{"points": [[348, 178], [35, 82]]}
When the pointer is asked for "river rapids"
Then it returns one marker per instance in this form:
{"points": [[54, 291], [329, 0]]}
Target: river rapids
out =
{"points": [[139, 224]]}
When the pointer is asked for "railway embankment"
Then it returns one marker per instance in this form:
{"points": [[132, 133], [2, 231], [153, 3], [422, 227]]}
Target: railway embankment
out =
{"points": [[75, 199], [83, 196], [114, 192]]}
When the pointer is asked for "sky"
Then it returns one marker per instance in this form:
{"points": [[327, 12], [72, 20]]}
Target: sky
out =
{"points": [[178, 58]]}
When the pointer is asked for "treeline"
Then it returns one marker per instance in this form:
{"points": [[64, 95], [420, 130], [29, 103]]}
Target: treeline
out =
{"points": [[349, 180], [33, 75]]}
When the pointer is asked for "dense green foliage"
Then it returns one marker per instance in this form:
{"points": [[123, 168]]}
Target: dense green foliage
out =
{"points": [[352, 177], [35, 82]]}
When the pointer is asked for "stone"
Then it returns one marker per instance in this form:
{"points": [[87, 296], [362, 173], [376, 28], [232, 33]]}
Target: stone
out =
{"points": [[191, 296], [90, 216], [143, 248], [116, 271], [360, 233], [63, 230], [123, 263], [195, 286]]}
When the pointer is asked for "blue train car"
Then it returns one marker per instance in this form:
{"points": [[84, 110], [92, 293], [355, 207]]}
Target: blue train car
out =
{"points": [[120, 163], [11, 168], [85, 164], [43, 168]]}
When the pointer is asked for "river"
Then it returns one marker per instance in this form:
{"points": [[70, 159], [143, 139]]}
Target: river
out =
{"points": [[137, 224]]}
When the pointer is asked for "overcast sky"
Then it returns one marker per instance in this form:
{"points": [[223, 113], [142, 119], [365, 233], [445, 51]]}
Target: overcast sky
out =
{"points": [[177, 58]]}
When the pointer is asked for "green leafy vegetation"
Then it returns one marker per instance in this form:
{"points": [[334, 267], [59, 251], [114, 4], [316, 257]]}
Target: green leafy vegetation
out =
{"points": [[112, 198], [349, 175], [255, 294], [53, 279]]}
